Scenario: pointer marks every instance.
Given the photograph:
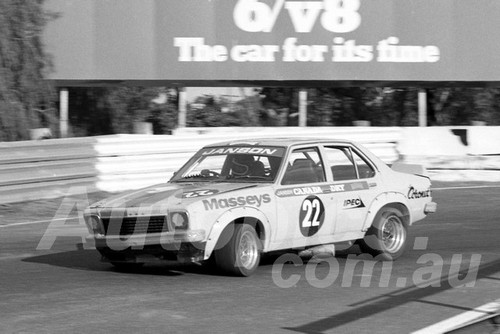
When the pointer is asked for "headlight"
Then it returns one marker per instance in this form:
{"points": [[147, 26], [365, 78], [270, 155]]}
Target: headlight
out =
{"points": [[94, 225], [179, 220]]}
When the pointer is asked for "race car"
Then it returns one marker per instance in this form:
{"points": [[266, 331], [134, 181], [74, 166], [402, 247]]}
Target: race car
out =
{"points": [[234, 201]]}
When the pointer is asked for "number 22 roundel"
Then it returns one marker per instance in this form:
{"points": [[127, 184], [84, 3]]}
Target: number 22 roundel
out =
{"points": [[312, 215]]}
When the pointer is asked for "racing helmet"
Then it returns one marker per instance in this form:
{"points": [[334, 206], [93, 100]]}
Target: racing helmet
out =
{"points": [[241, 164]]}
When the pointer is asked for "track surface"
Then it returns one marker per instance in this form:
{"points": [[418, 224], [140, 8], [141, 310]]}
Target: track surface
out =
{"points": [[65, 288]]}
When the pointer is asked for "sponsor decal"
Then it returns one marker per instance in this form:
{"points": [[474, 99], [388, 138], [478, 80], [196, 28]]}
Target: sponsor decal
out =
{"points": [[284, 192], [359, 186], [311, 216], [353, 203], [199, 193], [415, 193], [231, 202], [307, 190], [243, 150], [328, 189], [337, 188]]}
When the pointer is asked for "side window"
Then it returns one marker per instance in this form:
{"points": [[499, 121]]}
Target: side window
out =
{"points": [[304, 166], [347, 164], [341, 163], [365, 170]]}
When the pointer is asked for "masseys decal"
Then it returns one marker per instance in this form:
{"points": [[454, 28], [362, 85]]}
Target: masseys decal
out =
{"points": [[311, 216], [231, 202], [414, 193], [324, 189]]}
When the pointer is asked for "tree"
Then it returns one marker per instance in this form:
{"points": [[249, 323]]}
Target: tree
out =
{"points": [[211, 111], [89, 111], [26, 99], [109, 110]]}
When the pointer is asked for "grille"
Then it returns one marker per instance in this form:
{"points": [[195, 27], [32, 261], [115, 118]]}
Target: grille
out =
{"points": [[135, 225]]}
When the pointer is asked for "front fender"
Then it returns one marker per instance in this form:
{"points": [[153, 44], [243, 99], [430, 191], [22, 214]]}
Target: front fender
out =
{"points": [[231, 215], [382, 200]]}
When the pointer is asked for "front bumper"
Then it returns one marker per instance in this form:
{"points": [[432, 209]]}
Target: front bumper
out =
{"points": [[138, 240], [183, 247]]}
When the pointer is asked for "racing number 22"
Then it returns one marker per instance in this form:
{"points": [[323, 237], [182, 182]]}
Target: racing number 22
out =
{"points": [[312, 214], [312, 208]]}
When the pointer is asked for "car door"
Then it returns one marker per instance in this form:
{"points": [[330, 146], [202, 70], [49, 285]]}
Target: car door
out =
{"points": [[357, 183], [305, 215]]}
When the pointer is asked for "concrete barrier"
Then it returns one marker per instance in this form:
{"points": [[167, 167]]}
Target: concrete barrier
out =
{"points": [[483, 140], [460, 147], [49, 168]]}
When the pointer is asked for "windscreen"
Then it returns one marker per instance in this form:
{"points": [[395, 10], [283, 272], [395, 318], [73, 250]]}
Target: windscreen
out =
{"points": [[233, 164]]}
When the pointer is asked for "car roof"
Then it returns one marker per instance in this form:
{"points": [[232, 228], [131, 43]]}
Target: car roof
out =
{"points": [[277, 141]]}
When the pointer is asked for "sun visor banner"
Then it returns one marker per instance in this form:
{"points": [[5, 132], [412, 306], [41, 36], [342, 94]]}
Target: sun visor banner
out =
{"points": [[264, 151], [409, 40]]}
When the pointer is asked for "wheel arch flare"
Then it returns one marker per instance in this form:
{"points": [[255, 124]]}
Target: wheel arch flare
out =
{"points": [[242, 215], [395, 200]]}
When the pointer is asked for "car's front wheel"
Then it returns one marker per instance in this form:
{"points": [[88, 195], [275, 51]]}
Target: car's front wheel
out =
{"points": [[240, 256], [386, 238]]}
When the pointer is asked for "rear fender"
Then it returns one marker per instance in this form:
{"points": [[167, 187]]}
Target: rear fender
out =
{"points": [[414, 169], [229, 217], [395, 199]]}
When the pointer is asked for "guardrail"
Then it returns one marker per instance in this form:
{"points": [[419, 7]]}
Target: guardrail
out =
{"points": [[52, 168]]}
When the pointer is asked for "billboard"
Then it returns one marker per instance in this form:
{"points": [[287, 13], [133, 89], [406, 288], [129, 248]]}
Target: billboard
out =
{"points": [[202, 41]]}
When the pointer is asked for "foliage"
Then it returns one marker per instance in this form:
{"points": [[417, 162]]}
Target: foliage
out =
{"points": [[383, 106], [110, 110], [461, 106], [209, 111], [26, 100], [113, 110]]}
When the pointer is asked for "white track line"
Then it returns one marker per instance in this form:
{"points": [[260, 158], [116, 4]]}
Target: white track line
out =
{"points": [[467, 318], [38, 222], [464, 187]]}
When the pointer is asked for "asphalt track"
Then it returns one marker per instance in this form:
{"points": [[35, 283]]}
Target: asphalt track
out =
{"points": [[452, 265]]}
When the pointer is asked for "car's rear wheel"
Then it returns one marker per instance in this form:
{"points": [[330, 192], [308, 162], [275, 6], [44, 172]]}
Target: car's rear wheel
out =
{"points": [[240, 256], [386, 238]]}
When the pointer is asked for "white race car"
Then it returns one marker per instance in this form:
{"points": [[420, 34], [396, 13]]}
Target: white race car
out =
{"points": [[233, 201]]}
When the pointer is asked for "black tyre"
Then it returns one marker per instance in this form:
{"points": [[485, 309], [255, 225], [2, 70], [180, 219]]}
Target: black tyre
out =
{"points": [[386, 238], [240, 256]]}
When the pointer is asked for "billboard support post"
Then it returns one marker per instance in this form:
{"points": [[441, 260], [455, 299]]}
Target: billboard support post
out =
{"points": [[63, 112], [303, 107], [182, 98], [422, 107]]}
